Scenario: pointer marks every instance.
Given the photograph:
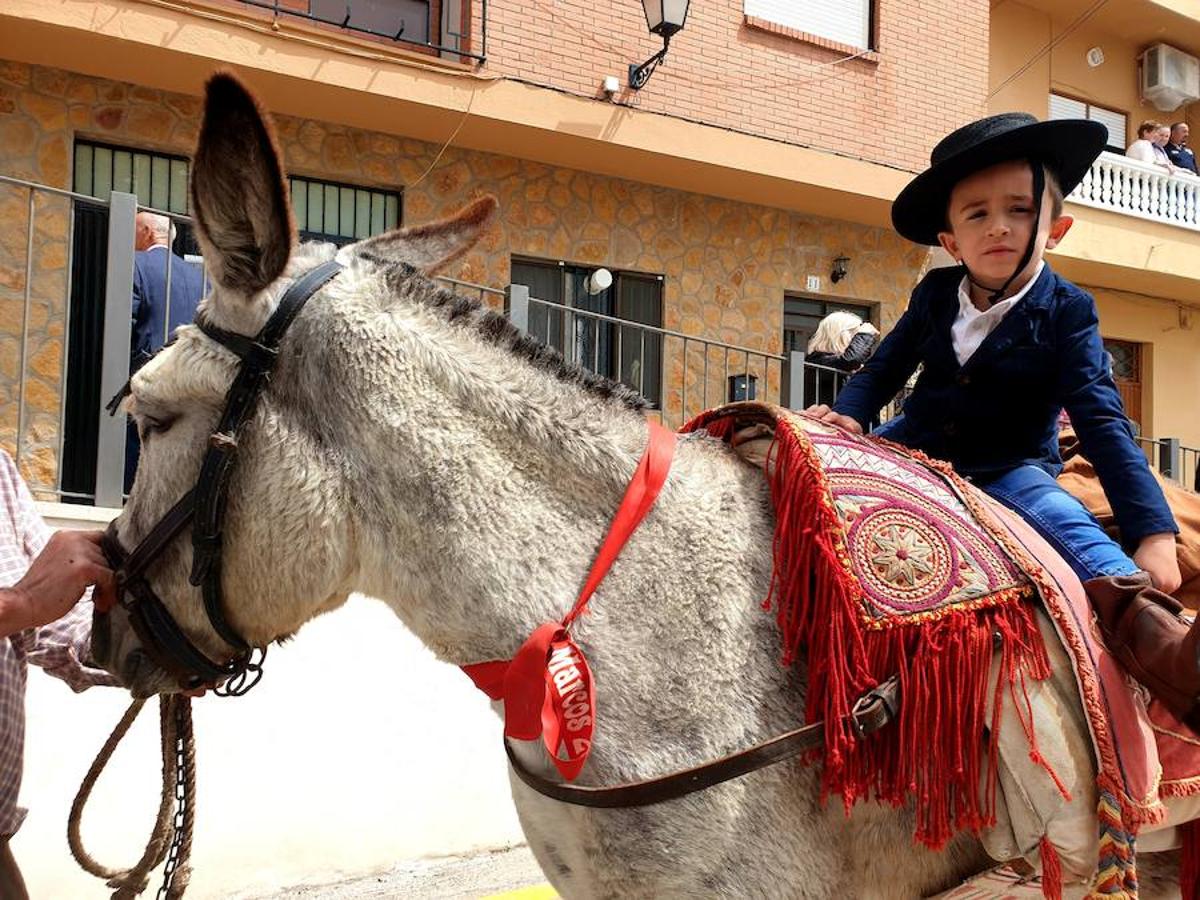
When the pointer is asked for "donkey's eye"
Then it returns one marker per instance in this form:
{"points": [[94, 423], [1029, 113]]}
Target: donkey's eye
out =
{"points": [[157, 424]]}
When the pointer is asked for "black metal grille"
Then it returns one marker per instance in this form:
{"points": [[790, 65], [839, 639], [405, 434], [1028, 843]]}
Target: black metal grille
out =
{"points": [[403, 21], [343, 213]]}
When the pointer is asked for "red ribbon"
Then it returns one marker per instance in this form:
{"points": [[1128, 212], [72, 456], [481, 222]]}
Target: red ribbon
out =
{"points": [[547, 687]]}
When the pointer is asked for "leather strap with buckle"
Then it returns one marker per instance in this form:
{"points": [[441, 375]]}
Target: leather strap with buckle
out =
{"points": [[871, 712]]}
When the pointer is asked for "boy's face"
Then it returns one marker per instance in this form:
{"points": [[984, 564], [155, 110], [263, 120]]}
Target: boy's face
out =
{"points": [[991, 216]]}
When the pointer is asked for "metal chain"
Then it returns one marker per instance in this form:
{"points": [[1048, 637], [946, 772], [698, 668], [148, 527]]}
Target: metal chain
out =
{"points": [[181, 800]]}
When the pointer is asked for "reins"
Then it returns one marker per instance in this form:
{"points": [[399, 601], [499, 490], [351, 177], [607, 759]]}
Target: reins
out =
{"points": [[873, 711], [171, 837], [548, 692], [203, 508]]}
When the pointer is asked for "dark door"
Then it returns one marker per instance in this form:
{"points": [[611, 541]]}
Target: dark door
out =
{"points": [[85, 339]]}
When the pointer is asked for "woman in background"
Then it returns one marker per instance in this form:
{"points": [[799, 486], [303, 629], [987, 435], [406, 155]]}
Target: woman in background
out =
{"points": [[839, 347]]}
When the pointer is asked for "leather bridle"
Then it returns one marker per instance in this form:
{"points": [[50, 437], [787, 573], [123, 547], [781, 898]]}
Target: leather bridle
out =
{"points": [[203, 507]]}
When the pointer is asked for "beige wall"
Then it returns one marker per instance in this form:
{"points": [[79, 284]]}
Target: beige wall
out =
{"points": [[1018, 31], [1170, 335]]}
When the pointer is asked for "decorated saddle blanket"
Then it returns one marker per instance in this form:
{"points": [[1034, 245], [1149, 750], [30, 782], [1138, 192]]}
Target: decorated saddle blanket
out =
{"points": [[887, 562]]}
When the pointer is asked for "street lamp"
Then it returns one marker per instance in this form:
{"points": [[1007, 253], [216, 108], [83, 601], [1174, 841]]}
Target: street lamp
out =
{"points": [[663, 17]]}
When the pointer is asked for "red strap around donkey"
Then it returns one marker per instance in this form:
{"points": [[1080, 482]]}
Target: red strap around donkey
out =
{"points": [[547, 687]]}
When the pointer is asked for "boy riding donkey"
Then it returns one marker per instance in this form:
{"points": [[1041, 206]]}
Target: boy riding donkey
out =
{"points": [[1006, 343]]}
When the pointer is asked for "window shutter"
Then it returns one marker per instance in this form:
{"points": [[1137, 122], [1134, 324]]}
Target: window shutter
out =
{"points": [[844, 21], [1115, 122], [1066, 108]]}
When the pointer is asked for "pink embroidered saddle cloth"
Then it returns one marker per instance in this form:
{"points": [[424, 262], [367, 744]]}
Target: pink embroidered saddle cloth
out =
{"points": [[923, 545]]}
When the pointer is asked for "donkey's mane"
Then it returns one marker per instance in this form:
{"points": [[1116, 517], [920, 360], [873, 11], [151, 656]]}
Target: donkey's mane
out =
{"points": [[470, 312]]}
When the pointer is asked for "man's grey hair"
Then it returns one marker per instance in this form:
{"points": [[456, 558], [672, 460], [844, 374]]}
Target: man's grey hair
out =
{"points": [[161, 226]]}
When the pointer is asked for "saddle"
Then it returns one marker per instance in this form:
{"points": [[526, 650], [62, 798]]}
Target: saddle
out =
{"points": [[1077, 760], [1079, 479]]}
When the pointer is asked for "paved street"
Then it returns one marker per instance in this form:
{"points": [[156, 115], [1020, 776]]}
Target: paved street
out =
{"points": [[512, 874]]}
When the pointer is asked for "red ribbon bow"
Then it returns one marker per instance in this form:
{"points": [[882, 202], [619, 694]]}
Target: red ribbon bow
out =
{"points": [[547, 687]]}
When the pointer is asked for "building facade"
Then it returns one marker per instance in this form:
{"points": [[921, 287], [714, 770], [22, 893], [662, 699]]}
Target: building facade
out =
{"points": [[769, 144], [1135, 244], [720, 194]]}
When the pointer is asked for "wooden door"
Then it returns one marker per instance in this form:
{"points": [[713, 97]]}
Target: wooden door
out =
{"points": [[1127, 373]]}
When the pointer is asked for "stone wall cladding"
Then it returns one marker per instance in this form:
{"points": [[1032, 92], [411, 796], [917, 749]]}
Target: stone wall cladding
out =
{"points": [[725, 265], [725, 72]]}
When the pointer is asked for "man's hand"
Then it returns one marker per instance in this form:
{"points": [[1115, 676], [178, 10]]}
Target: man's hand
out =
{"points": [[825, 414], [1156, 556], [70, 562]]}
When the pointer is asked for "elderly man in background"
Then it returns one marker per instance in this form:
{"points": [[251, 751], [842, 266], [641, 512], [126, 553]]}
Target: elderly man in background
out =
{"points": [[1177, 148], [158, 309], [43, 621]]}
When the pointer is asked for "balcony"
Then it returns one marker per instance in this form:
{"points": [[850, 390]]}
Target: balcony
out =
{"points": [[1139, 189], [440, 26]]}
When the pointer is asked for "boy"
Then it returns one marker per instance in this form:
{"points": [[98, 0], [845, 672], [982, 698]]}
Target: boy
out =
{"points": [[1005, 344]]}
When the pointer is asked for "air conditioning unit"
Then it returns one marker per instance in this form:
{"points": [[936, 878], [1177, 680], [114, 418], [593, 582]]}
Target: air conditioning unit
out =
{"points": [[1170, 77]]}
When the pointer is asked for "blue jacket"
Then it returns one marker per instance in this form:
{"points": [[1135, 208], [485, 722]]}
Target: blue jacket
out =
{"points": [[1181, 156], [1000, 409], [150, 299]]}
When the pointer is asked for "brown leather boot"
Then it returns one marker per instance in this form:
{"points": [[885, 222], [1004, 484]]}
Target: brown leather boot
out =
{"points": [[1144, 629]]}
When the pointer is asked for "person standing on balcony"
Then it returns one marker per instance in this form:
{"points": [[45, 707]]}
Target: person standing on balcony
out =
{"points": [[1150, 145], [1004, 344], [43, 621], [157, 311], [1178, 151]]}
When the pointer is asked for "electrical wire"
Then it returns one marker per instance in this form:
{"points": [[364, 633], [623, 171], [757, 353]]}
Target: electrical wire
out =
{"points": [[1079, 20], [275, 30], [445, 146]]}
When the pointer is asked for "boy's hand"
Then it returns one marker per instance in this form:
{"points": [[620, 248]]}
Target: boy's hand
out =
{"points": [[1155, 555], [825, 414]]}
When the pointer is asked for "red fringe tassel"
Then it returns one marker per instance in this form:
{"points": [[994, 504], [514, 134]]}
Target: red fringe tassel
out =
{"points": [[933, 753], [1051, 871]]}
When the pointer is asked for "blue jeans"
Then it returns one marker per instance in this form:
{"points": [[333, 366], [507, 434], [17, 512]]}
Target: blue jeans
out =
{"points": [[1063, 521], [1059, 518]]}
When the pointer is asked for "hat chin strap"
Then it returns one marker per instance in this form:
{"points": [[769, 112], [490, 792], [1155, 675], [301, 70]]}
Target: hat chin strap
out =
{"points": [[1039, 188]]}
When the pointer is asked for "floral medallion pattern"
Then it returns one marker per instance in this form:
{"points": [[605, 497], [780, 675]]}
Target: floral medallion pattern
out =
{"points": [[914, 547]]}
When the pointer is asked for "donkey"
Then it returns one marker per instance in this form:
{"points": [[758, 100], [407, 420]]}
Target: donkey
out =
{"points": [[412, 446]]}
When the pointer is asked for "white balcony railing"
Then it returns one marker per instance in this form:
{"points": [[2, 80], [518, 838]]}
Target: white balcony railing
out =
{"points": [[1140, 189]]}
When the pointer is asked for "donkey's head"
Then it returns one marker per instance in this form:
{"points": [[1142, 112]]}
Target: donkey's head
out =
{"points": [[295, 499]]}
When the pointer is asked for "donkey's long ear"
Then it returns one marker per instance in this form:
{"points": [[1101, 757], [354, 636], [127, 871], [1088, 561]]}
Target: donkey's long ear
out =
{"points": [[243, 217], [430, 247]]}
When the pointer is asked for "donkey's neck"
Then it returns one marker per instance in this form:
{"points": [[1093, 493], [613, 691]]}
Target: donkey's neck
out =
{"points": [[482, 483]]}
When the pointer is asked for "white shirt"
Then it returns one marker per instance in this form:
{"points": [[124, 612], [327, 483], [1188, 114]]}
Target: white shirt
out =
{"points": [[971, 325], [1148, 151]]}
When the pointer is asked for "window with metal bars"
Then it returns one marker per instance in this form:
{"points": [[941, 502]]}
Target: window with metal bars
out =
{"points": [[159, 180], [630, 353], [342, 213], [325, 210]]}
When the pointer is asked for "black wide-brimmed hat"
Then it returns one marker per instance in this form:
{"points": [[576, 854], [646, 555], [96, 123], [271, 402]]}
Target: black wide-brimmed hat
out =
{"points": [[1066, 146]]}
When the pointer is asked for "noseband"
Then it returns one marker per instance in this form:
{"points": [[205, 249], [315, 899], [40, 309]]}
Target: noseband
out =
{"points": [[204, 508]]}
